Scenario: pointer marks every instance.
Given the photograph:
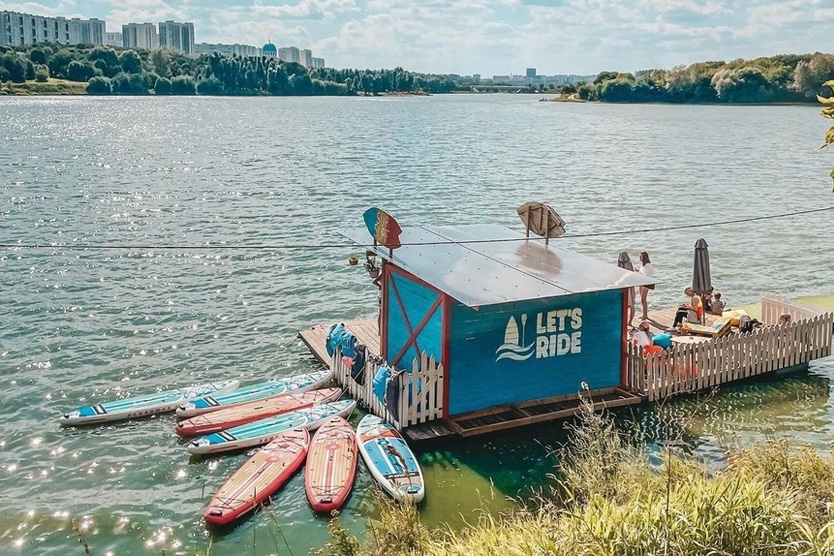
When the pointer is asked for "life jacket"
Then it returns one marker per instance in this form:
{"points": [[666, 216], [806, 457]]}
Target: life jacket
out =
{"points": [[334, 338], [381, 382]]}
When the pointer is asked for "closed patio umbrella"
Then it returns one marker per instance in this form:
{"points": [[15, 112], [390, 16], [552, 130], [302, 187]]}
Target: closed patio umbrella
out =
{"points": [[701, 281]]}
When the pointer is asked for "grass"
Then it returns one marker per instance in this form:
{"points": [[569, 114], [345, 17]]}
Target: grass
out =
{"points": [[50, 87], [609, 500]]}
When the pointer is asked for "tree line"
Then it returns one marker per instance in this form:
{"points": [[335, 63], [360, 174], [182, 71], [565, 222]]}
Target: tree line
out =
{"points": [[115, 71], [784, 78]]}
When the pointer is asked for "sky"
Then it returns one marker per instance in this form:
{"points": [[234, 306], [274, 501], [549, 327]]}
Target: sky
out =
{"points": [[489, 37]]}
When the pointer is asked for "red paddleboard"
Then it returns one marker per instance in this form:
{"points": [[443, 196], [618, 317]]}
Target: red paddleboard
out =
{"points": [[258, 478], [331, 465], [241, 414]]}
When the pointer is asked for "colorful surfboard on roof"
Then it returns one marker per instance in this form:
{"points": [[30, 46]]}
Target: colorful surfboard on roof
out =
{"points": [[382, 226]]}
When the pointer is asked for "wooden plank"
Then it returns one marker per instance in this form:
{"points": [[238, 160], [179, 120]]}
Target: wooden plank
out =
{"points": [[314, 338], [475, 423]]}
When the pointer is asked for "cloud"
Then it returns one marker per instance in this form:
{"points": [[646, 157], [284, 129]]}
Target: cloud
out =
{"points": [[64, 8], [305, 9], [488, 36]]}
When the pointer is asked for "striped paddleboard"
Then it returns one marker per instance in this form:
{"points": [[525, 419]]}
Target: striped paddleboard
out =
{"points": [[331, 465], [254, 392], [259, 478], [246, 413], [142, 406], [390, 460], [264, 430]]}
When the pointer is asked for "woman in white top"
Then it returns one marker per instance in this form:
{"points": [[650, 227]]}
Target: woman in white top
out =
{"points": [[647, 270]]}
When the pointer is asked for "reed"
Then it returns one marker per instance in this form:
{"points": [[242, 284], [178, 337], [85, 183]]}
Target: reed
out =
{"points": [[771, 499], [397, 530]]}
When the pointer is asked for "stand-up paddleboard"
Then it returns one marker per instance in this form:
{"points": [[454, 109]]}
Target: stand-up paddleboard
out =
{"points": [[142, 406], [254, 392], [331, 465], [259, 478], [264, 430], [390, 460], [246, 413]]}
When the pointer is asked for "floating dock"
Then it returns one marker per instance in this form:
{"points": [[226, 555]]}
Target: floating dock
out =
{"points": [[482, 328], [476, 422], [688, 367]]}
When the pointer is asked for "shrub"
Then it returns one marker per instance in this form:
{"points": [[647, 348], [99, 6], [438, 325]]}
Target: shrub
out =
{"points": [[136, 83], [14, 66], [183, 85], [80, 71], [150, 79], [130, 62], [42, 74], [210, 86], [99, 86], [37, 56], [162, 86]]}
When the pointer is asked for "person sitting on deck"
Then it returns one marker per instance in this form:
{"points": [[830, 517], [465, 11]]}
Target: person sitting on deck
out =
{"points": [[706, 299], [642, 336], [693, 312], [717, 306], [784, 319]]}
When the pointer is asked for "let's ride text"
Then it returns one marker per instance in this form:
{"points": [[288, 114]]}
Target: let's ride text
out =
{"points": [[558, 332]]}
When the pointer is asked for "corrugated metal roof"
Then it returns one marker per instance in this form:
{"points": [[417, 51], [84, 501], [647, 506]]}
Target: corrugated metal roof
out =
{"points": [[478, 272]]}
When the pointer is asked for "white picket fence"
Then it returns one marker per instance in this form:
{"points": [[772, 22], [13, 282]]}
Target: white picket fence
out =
{"points": [[421, 391], [774, 306], [694, 367]]}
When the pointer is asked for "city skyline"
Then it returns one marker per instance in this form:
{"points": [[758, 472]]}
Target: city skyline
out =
{"points": [[489, 37]]}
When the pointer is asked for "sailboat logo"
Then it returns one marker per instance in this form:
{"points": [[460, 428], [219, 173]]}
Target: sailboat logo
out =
{"points": [[513, 346]]}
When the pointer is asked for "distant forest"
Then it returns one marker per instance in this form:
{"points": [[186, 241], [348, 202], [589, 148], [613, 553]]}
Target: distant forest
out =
{"points": [[117, 71], [786, 78]]}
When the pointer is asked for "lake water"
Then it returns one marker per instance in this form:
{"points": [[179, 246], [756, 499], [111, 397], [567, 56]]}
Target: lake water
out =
{"points": [[83, 325]]}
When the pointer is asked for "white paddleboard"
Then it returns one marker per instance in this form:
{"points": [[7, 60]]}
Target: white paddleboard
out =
{"points": [[142, 406], [389, 459]]}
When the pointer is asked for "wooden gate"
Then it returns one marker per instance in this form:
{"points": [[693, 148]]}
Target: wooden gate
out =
{"points": [[420, 391]]}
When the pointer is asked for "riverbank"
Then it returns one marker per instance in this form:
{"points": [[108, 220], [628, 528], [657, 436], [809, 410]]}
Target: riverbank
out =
{"points": [[105, 70], [63, 87], [563, 98], [52, 87], [771, 498]]}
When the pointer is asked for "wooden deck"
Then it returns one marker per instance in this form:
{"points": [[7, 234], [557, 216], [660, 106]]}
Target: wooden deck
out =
{"points": [[366, 332], [662, 319], [537, 411]]}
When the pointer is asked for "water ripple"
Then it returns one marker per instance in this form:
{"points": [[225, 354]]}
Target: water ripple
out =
{"points": [[83, 325]]}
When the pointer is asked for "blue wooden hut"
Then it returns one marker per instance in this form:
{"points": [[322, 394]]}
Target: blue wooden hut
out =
{"points": [[512, 319]]}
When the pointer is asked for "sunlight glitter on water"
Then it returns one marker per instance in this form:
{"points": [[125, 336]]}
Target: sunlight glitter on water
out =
{"points": [[227, 180]]}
